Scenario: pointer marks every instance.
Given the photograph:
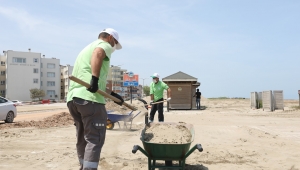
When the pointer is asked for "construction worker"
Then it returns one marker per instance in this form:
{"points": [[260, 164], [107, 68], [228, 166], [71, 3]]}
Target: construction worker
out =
{"points": [[85, 105], [157, 93]]}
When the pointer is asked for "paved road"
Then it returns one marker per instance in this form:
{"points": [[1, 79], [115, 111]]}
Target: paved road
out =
{"points": [[25, 109], [39, 112]]}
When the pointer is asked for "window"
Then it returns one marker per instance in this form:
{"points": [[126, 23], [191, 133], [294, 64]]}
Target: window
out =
{"points": [[50, 83], [2, 72], [50, 74], [50, 65], [2, 82], [61, 87], [35, 80], [19, 60], [2, 63], [35, 70], [41, 65], [41, 74], [50, 92], [1, 99], [66, 72], [41, 83], [35, 60]]}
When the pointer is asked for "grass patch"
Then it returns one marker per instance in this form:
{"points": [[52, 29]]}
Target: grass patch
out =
{"points": [[219, 98], [296, 107], [227, 98]]}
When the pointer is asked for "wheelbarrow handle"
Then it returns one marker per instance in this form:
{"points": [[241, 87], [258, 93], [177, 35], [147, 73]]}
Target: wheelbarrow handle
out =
{"points": [[135, 148], [77, 80], [199, 147]]}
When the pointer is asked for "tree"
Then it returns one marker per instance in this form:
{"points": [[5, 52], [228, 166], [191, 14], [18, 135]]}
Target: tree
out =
{"points": [[36, 93], [146, 90]]}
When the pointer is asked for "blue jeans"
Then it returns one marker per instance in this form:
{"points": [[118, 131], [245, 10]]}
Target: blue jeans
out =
{"points": [[198, 103]]}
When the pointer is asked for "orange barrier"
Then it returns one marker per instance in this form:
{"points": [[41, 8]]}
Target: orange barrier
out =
{"points": [[46, 101]]}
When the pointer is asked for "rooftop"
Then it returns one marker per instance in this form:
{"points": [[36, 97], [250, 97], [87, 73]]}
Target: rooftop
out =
{"points": [[179, 76]]}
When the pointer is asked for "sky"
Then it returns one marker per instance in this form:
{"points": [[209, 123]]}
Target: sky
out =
{"points": [[232, 47]]}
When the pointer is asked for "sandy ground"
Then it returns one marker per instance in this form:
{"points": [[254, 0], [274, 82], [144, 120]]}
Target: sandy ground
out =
{"points": [[234, 137]]}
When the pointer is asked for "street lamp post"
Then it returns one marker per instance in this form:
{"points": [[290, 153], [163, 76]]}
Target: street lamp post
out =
{"points": [[143, 87]]}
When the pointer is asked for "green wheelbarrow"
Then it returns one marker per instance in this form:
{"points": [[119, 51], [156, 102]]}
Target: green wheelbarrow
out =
{"points": [[170, 152]]}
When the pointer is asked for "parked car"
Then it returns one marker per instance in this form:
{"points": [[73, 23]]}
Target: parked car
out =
{"points": [[17, 102], [8, 110]]}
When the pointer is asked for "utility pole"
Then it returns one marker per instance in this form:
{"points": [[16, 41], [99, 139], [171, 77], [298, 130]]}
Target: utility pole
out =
{"points": [[143, 86]]}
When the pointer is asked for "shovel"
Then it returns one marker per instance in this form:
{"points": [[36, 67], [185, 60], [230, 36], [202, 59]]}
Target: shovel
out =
{"points": [[157, 103], [77, 80]]}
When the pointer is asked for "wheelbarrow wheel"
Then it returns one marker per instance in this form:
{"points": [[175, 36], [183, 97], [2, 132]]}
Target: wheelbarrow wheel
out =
{"points": [[109, 125]]}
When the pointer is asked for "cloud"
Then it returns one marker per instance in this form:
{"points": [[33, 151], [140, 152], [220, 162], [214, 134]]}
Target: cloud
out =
{"points": [[22, 17]]}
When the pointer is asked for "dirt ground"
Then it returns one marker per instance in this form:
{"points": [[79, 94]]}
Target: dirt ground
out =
{"points": [[233, 136]]}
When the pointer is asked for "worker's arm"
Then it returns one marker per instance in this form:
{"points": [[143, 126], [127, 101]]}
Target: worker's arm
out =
{"points": [[151, 96], [97, 58], [169, 93], [96, 61], [151, 93]]}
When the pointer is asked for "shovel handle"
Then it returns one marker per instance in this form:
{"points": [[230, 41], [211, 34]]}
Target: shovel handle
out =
{"points": [[77, 80]]}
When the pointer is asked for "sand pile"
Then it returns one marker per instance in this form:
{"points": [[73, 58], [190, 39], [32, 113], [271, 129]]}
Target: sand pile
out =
{"points": [[168, 134], [110, 105], [57, 120], [65, 119]]}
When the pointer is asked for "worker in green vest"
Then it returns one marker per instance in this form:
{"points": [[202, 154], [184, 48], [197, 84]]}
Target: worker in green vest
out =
{"points": [[157, 89], [157, 93], [85, 105]]}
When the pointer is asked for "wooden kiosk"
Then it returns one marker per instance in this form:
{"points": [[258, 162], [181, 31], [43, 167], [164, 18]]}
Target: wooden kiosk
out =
{"points": [[183, 87]]}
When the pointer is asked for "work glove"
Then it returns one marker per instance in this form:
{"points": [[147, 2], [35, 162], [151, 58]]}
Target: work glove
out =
{"points": [[93, 85], [118, 97], [168, 99]]}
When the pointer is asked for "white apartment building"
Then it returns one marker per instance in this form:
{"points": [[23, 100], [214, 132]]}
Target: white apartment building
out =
{"points": [[2, 75], [27, 70], [50, 78], [65, 81], [115, 83]]}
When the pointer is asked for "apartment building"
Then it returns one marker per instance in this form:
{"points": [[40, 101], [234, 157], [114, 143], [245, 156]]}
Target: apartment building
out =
{"points": [[65, 81], [50, 78], [115, 80], [2, 75], [115, 83], [22, 71]]}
